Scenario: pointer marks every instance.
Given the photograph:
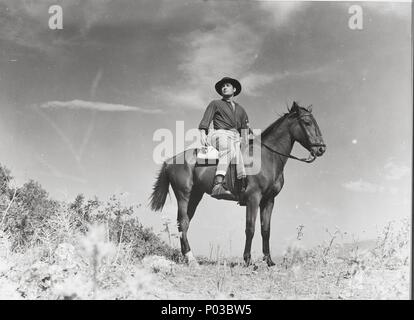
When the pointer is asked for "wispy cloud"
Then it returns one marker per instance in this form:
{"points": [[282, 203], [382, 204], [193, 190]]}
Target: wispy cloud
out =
{"points": [[56, 173], [396, 9], [185, 98], [25, 23], [221, 45], [93, 105], [394, 171], [363, 186], [253, 81], [368, 187], [281, 11], [229, 49], [95, 83]]}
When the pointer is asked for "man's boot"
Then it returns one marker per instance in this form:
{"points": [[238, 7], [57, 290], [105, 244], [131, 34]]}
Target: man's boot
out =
{"points": [[219, 191]]}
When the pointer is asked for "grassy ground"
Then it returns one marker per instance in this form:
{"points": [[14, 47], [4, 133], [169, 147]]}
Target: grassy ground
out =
{"points": [[89, 249], [91, 267]]}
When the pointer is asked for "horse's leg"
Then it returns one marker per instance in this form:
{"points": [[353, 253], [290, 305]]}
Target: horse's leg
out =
{"points": [[266, 208], [251, 214], [183, 222], [194, 200]]}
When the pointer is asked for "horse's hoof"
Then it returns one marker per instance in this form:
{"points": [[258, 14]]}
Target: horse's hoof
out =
{"points": [[191, 260], [247, 262], [269, 261]]}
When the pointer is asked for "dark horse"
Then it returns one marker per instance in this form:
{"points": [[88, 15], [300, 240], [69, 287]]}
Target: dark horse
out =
{"points": [[189, 182]]}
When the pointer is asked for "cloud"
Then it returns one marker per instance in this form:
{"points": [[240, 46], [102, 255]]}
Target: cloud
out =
{"points": [[368, 187], [221, 40], [363, 186], [25, 23], [56, 173], [92, 105], [95, 83], [189, 99], [396, 172], [227, 47], [227, 50], [396, 9], [253, 81], [281, 11]]}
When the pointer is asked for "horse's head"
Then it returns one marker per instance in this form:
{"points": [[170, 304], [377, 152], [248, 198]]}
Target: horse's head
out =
{"points": [[305, 130]]}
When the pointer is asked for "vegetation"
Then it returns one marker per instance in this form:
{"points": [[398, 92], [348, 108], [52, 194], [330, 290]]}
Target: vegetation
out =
{"points": [[40, 234], [89, 249]]}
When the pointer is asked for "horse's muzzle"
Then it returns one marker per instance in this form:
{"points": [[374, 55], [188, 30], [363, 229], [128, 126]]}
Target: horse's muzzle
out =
{"points": [[318, 150]]}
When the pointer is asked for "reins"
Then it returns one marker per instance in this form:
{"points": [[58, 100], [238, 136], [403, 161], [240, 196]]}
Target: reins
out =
{"points": [[311, 157]]}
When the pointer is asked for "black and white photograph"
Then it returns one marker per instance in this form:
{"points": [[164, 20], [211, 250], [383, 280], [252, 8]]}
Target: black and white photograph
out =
{"points": [[231, 150]]}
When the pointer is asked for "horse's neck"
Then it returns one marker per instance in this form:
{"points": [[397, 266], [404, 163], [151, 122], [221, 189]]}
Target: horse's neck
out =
{"points": [[281, 140]]}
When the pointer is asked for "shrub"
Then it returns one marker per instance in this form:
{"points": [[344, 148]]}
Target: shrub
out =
{"points": [[33, 218]]}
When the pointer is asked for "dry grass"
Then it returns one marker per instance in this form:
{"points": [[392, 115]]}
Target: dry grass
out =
{"points": [[91, 267], [94, 250]]}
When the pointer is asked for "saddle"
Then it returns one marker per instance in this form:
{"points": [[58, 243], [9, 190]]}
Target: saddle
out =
{"points": [[208, 156]]}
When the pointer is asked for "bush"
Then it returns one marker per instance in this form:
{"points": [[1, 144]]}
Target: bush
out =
{"points": [[122, 226], [30, 218]]}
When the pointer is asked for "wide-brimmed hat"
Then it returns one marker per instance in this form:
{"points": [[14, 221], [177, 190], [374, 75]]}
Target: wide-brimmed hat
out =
{"points": [[236, 84]]}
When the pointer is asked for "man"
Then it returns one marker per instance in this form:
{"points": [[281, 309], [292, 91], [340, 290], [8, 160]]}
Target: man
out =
{"points": [[230, 121]]}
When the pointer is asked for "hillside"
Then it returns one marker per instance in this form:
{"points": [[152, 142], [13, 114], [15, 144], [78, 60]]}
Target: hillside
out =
{"points": [[92, 249]]}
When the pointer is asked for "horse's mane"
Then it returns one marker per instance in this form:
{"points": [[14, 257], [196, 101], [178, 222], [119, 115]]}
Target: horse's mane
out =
{"points": [[291, 111], [275, 124]]}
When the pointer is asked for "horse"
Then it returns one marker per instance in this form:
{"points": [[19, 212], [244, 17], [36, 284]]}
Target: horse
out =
{"points": [[190, 182]]}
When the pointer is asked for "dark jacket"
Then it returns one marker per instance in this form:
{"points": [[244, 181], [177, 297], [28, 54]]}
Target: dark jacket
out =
{"points": [[223, 116]]}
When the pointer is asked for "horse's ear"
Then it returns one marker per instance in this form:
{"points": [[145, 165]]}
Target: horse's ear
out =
{"points": [[295, 107], [309, 108]]}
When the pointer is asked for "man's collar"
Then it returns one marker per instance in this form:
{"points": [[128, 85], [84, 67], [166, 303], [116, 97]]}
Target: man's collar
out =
{"points": [[228, 100]]}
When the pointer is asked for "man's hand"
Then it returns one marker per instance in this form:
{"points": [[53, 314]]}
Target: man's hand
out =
{"points": [[203, 137]]}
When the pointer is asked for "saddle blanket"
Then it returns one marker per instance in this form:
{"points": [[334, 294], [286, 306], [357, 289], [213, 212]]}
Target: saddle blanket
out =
{"points": [[206, 153]]}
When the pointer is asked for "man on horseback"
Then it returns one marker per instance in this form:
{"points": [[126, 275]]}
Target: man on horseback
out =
{"points": [[230, 123]]}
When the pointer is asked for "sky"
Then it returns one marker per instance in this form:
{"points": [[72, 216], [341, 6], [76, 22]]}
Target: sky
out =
{"points": [[80, 106]]}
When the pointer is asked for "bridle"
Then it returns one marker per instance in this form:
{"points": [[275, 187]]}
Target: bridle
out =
{"points": [[311, 157]]}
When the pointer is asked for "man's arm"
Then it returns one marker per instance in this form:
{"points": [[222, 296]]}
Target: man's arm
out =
{"points": [[205, 122], [208, 116]]}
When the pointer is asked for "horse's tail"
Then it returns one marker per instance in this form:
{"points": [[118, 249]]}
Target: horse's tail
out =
{"points": [[160, 190]]}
